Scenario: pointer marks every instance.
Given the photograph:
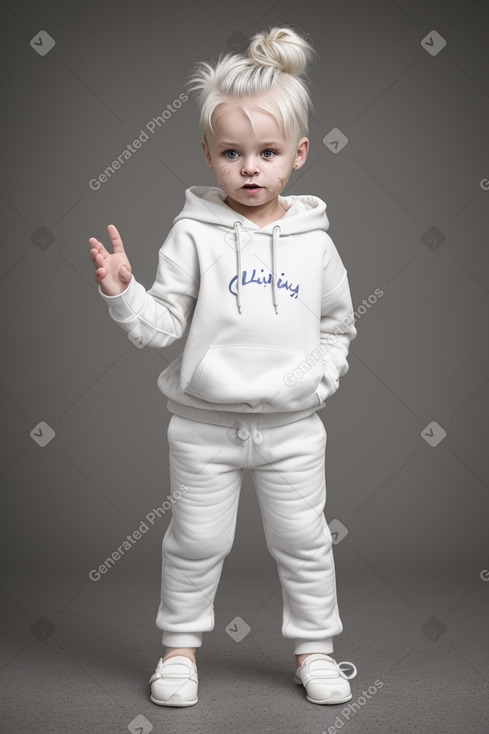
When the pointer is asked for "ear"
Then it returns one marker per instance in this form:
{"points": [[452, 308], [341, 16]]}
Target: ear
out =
{"points": [[207, 154], [301, 153]]}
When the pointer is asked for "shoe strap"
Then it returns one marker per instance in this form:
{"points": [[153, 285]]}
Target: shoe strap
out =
{"points": [[324, 657]]}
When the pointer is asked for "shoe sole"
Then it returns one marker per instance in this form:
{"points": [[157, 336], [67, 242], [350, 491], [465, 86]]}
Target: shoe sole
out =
{"points": [[329, 701], [324, 701], [173, 703]]}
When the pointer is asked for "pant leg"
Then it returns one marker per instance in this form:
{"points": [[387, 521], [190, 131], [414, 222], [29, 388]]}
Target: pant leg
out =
{"points": [[204, 468], [291, 491]]}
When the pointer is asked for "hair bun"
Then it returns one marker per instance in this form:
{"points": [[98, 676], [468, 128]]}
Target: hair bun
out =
{"points": [[283, 48]]}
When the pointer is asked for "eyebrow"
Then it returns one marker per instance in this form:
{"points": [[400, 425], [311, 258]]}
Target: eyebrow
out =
{"points": [[262, 145]]}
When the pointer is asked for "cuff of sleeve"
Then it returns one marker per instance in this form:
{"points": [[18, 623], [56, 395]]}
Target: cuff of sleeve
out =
{"points": [[331, 378], [327, 387], [124, 306]]}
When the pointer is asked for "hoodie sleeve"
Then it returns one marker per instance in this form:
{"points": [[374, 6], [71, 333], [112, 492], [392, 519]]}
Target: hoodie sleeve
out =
{"points": [[159, 316], [337, 322]]}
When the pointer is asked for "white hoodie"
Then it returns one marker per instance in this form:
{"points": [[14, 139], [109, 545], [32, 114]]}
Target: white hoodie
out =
{"points": [[275, 346]]}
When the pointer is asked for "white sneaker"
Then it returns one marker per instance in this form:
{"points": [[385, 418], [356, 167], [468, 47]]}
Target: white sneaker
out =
{"points": [[323, 680], [175, 682]]}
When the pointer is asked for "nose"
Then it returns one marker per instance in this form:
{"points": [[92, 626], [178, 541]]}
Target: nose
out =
{"points": [[250, 167]]}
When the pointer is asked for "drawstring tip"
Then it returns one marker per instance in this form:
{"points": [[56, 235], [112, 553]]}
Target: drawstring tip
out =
{"points": [[240, 310], [276, 308]]}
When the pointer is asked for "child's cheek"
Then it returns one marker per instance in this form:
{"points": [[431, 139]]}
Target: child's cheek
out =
{"points": [[225, 173]]}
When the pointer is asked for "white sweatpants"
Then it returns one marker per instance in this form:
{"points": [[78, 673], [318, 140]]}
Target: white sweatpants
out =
{"points": [[288, 469]]}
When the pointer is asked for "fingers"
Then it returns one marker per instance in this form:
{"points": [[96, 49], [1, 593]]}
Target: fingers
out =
{"points": [[98, 259], [124, 274], [96, 244], [100, 274], [116, 238], [105, 262]]}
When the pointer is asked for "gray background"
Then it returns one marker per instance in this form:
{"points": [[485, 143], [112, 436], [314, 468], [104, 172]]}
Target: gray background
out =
{"points": [[412, 570]]}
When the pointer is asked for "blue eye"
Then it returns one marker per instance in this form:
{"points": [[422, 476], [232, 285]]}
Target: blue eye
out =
{"points": [[227, 154]]}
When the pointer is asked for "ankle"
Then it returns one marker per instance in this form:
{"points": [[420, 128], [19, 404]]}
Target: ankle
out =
{"points": [[299, 659], [188, 652]]}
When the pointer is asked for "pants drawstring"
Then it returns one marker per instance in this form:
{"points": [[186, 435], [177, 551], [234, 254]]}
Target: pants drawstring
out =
{"points": [[244, 433]]}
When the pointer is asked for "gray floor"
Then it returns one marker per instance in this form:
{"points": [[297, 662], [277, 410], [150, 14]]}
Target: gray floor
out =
{"points": [[79, 659]]}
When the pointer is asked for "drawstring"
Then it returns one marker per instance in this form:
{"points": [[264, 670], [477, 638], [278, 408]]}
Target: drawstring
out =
{"points": [[275, 236], [238, 257], [244, 433]]}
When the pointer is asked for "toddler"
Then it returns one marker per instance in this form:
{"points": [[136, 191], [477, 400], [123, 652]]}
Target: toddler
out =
{"points": [[267, 299]]}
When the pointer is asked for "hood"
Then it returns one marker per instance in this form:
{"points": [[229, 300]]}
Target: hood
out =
{"points": [[304, 213]]}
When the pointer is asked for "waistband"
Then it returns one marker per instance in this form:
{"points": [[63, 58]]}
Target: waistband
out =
{"points": [[233, 419]]}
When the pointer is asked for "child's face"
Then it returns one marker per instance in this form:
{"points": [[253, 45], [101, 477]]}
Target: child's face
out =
{"points": [[238, 157]]}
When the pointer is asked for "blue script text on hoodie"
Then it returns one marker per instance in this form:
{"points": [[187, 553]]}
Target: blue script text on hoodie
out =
{"points": [[270, 309]]}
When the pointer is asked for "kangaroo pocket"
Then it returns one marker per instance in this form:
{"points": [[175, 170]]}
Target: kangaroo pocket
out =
{"points": [[255, 375]]}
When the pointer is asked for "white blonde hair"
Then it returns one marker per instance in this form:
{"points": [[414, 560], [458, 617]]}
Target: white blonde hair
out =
{"points": [[274, 65]]}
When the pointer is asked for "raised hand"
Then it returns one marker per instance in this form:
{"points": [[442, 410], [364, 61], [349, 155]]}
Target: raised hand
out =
{"points": [[113, 270]]}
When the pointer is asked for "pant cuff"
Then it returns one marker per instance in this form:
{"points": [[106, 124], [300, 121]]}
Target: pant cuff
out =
{"points": [[182, 639], [302, 646]]}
